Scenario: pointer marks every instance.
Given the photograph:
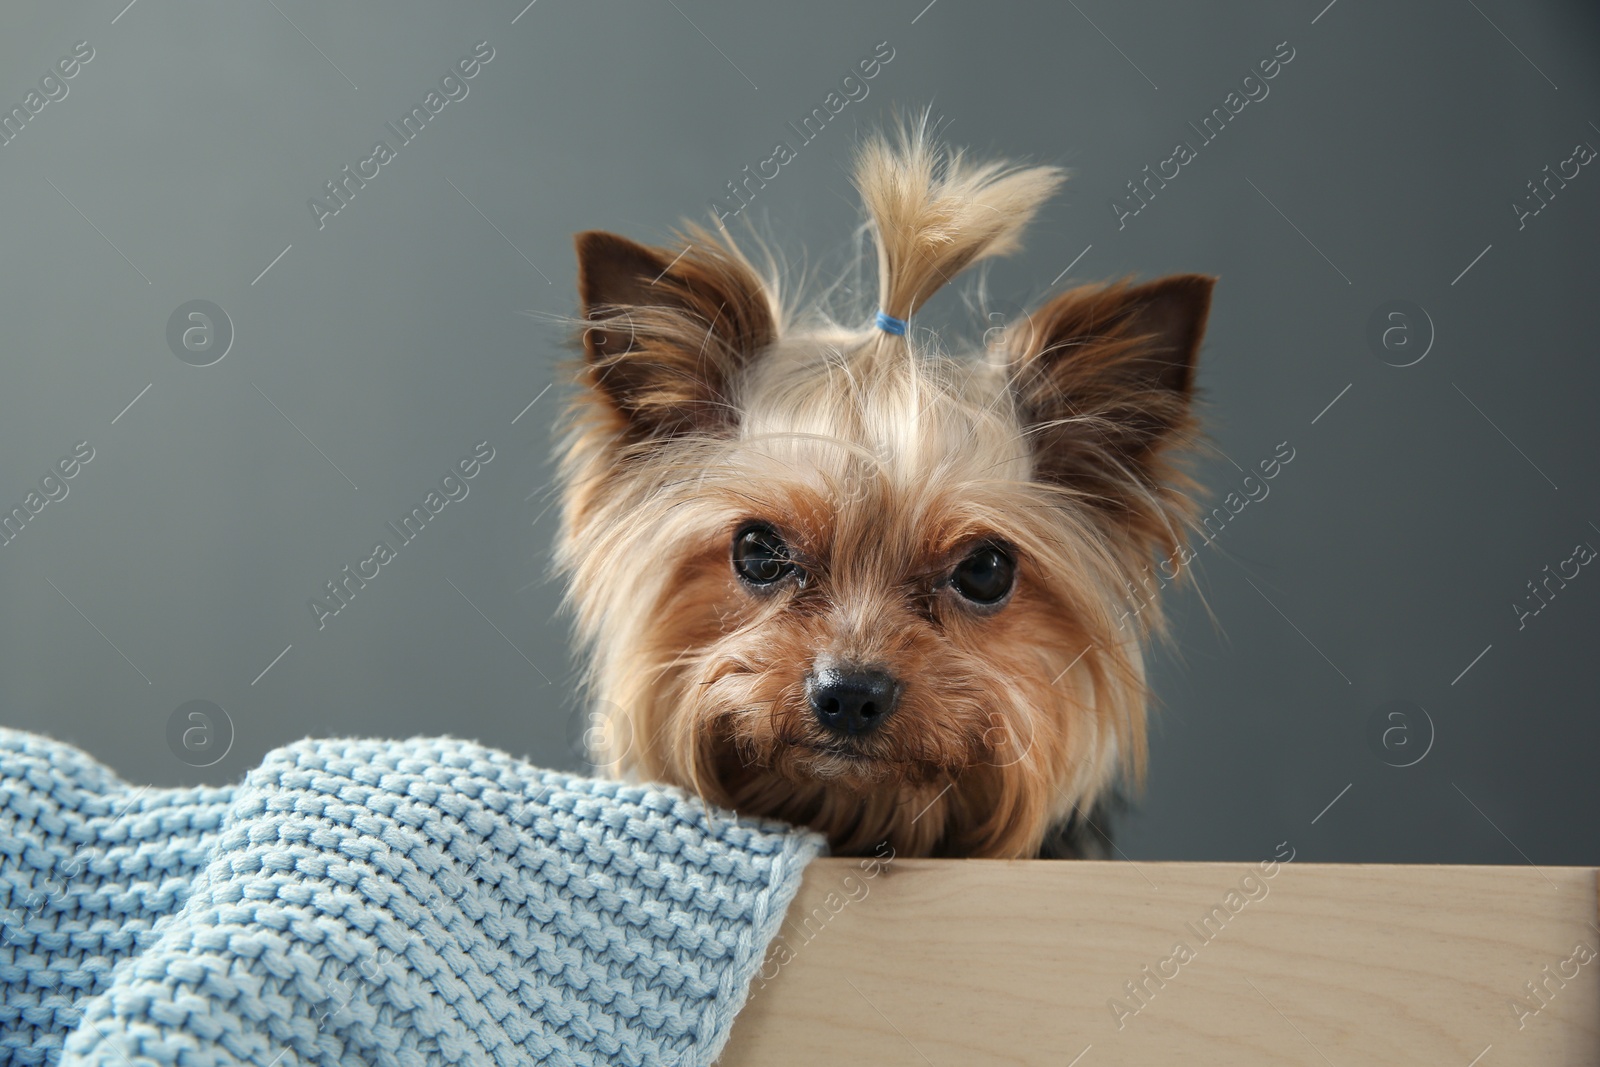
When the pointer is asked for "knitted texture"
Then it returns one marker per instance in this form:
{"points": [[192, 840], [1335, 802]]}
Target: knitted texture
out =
{"points": [[401, 903]]}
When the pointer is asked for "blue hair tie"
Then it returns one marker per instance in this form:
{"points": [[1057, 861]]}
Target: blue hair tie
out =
{"points": [[889, 324]]}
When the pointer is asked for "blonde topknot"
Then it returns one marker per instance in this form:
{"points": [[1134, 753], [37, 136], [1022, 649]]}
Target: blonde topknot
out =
{"points": [[935, 213]]}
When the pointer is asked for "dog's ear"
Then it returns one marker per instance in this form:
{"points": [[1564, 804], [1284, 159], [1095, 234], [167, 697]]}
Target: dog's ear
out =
{"points": [[1103, 378], [669, 335]]}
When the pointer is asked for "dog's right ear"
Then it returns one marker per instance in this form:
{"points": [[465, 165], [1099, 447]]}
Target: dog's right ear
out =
{"points": [[669, 335]]}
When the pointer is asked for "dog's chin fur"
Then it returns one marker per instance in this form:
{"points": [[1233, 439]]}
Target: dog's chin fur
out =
{"points": [[881, 461]]}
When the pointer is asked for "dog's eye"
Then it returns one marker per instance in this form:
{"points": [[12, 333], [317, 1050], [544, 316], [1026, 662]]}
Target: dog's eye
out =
{"points": [[986, 576], [760, 556]]}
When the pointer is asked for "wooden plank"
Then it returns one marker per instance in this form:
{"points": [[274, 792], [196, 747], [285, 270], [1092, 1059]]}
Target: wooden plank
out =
{"points": [[987, 961]]}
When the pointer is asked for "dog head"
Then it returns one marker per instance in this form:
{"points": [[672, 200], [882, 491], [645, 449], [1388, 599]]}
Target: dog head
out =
{"points": [[846, 577]]}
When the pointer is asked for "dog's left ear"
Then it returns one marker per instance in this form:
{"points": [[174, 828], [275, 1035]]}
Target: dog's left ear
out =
{"points": [[670, 334], [1103, 377]]}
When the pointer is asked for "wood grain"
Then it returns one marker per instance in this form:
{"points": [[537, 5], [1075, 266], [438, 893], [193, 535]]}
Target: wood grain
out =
{"points": [[985, 961]]}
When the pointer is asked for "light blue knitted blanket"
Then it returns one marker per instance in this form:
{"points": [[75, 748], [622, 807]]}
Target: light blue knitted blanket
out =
{"points": [[400, 903]]}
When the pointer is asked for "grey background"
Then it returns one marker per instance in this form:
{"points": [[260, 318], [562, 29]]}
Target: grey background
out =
{"points": [[417, 323]]}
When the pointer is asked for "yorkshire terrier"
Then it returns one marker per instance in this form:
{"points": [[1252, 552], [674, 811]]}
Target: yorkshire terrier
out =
{"points": [[838, 575]]}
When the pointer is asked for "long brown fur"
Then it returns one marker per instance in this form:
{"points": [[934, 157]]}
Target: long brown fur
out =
{"points": [[881, 460]]}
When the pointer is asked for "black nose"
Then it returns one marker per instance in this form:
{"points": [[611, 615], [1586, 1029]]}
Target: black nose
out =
{"points": [[851, 701]]}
